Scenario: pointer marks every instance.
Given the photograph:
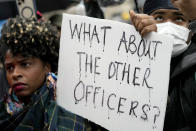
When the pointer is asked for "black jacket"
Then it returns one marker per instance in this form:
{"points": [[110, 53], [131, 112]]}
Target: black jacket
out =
{"points": [[181, 107]]}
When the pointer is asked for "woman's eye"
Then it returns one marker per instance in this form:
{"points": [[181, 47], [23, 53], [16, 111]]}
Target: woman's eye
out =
{"points": [[25, 64], [159, 18], [9, 68]]}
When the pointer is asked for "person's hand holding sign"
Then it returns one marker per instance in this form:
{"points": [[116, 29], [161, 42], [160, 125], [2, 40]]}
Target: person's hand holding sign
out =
{"points": [[143, 23]]}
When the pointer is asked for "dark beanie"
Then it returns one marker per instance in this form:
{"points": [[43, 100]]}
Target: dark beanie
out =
{"points": [[152, 5]]}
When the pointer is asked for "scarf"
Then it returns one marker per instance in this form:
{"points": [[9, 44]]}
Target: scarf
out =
{"points": [[36, 115], [42, 113]]}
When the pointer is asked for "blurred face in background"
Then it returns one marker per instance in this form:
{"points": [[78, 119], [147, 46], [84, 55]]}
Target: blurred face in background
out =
{"points": [[170, 15], [187, 7]]}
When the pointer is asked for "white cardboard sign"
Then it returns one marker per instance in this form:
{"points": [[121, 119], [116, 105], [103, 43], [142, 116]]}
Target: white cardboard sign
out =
{"points": [[111, 76]]}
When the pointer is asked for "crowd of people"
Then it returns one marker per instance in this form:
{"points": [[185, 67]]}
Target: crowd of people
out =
{"points": [[29, 52]]}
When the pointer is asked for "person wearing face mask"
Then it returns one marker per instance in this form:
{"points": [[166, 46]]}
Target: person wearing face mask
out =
{"points": [[181, 106], [188, 93], [169, 21], [162, 17]]}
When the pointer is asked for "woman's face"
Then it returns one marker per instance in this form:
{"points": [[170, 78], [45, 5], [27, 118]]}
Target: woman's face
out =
{"points": [[187, 7], [25, 74]]}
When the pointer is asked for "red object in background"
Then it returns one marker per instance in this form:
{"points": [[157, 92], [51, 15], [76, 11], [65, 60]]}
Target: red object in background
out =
{"points": [[39, 15]]}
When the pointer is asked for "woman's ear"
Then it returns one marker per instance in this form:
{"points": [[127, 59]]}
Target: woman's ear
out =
{"points": [[47, 67]]}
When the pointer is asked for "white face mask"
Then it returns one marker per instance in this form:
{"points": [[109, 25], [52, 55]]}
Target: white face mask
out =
{"points": [[178, 33]]}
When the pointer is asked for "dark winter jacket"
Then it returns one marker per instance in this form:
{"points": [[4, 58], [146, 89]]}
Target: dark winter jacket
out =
{"points": [[181, 107]]}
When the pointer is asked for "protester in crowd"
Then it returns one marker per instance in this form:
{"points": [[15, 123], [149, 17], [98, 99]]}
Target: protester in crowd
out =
{"points": [[157, 12], [186, 95], [181, 106], [3, 81], [163, 17], [29, 53]]}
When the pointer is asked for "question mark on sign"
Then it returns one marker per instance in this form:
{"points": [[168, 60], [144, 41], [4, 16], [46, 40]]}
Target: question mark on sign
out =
{"points": [[157, 113]]}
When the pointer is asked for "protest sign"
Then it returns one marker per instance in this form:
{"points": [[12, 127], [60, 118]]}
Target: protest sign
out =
{"points": [[112, 76]]}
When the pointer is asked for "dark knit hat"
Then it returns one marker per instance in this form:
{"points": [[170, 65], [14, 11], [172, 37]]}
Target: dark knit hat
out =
{"points": [[152, 5]]}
